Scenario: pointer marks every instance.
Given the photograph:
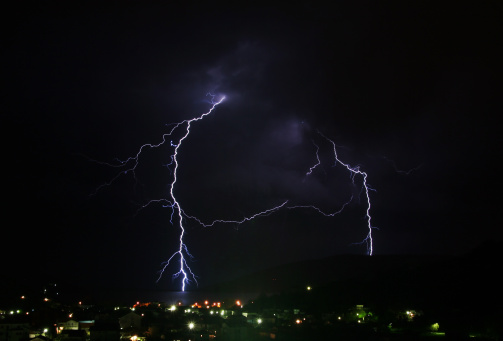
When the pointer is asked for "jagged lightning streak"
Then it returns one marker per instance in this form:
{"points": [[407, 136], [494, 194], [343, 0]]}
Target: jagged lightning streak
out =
{"points": [[239, 222], [172, 202], [176, 210], [184, 268], [365, 187], [317, 158]]}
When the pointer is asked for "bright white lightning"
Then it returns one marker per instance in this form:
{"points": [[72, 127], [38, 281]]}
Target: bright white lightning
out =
{"points": [[365, 187], [182, 252], [172, 203], [322, 212], [184, 268], [238, 222]]}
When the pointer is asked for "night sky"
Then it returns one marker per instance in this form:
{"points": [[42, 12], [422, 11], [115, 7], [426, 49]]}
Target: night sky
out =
{"points": [[407, 91]]}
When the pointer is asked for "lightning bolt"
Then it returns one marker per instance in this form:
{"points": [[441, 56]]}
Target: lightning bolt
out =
{"points": [[177, 213], [245, 219], [129, 166], [355, 170], [175, 205], [318, 162]]}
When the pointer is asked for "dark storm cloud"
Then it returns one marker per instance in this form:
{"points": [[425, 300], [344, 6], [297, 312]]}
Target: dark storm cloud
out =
{"points": [[241, 70], [395, 86], [262, 146]]}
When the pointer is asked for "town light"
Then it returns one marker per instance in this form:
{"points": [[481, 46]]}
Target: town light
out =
{"points": [[191, 325]]}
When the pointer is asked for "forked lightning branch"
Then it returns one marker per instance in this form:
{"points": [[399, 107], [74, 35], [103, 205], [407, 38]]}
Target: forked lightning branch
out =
{"points": [[178, 215]]}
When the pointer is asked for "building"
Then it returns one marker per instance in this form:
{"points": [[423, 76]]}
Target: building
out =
{"points": [[105, 331], [130, 321], [14, 331], [72, 335]]}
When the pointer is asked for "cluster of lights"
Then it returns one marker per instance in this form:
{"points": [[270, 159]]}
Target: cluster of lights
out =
{"points": [[207, 305], [12, 312]]}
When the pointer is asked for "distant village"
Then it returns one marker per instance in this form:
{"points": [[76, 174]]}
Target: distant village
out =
{"points": [[265, 318]]}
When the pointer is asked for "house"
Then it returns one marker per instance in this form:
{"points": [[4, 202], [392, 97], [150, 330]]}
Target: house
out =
{"points": [[85, 325], [105, 331], [68, 325], [14, 331], [236, 329], [130, 321], [73, 335]]}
